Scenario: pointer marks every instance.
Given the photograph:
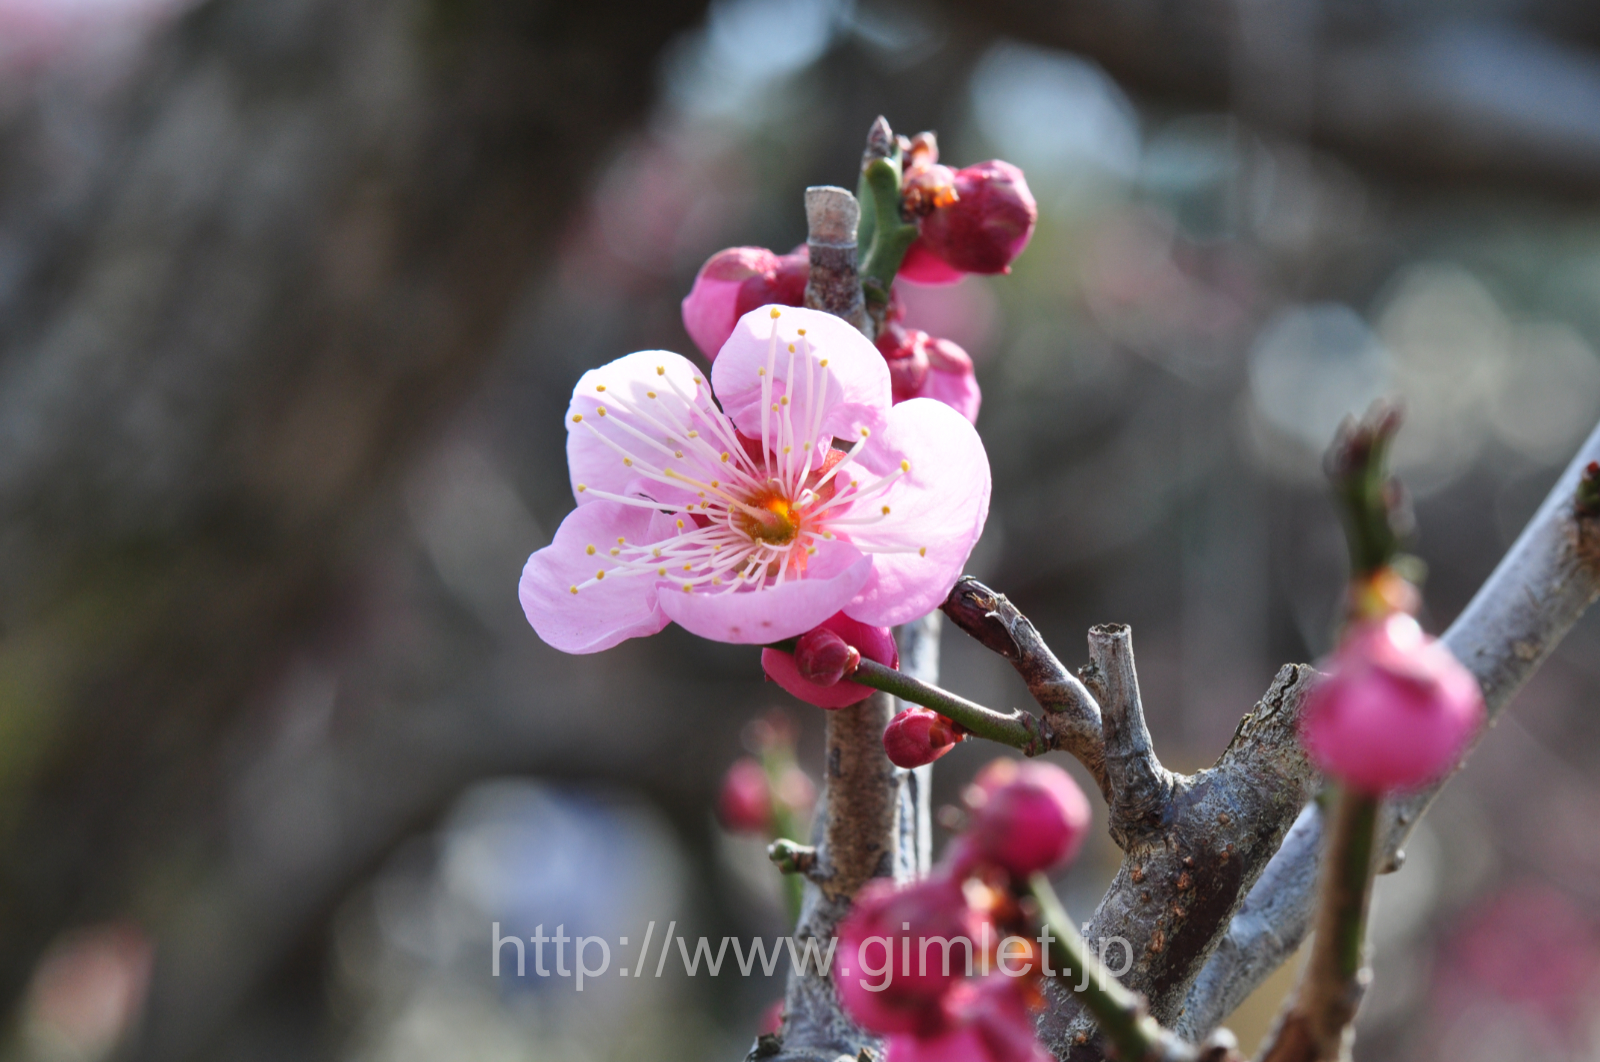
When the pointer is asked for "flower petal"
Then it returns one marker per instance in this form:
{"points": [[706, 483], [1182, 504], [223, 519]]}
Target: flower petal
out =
{"points": [[939, 507], [608, 612], [751, 617], [850, 393], [958, 390], [622, 387]]}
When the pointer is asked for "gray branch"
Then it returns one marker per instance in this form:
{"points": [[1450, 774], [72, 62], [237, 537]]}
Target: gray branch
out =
{"points": [[832, 217], [1141, 788], [1538, 591]]}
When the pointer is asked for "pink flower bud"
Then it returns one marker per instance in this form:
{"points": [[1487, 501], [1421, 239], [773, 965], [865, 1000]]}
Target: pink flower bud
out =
{"points": [[735, 281], [1026, 816], [771, 1018], [1396, 712], [874, 643], [988, 1021], [889, 988], [823, 658], [922, 266], [990, 222], [917, 736], [745, 803], [922, 366]]}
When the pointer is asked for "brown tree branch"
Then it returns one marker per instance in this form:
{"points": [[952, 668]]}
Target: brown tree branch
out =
{"points": [[1070, 712]]}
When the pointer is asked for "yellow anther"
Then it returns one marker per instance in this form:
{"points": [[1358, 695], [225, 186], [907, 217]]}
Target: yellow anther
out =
{"points": [[698, 381], [886, 510], [694, 435], [715, 484], [628, 461], [576, 417], [621, 541], [865, 433], [774, 407], [774, 313], [761, 372], [582, 487], [811, 551], [716, 580], [649, 394], [688, 589], [724, 455], [784, 400], [661, 370], [615, 551], [680, 525], [688, 567], [661, 571], [800, 331], [905, 466], [677, 453], [574, 589], [791, 348], [589, 550], [600, 410], [922, 551], [786, 449], [823, 363], [655, 552], [601, 574]]}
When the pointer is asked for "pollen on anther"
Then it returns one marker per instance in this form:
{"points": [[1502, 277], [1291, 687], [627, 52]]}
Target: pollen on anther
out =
{"points": [[661, 370], [600, 410], [601, 574], [811, 551], [865, 433], [823, 363], [922, 551], [774, 407], [655, 552], [886, 510], [649, 394], [688, 567], [677, 453], [615, 551], [715, 484], [791, 348], [800, 331], [589, 550], [786, 449], [724, 455], [698, 381], [784, 400], [599, 387], [680, 525], [774, 313], [716, 580], [905, 466], [661, 571], [628, 462], [582, 487], [621, 541], [688, 589], [761, 372], [694, 435]]}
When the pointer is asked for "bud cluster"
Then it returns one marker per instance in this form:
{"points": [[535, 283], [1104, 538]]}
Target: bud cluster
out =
{"points": [[927, 942]]}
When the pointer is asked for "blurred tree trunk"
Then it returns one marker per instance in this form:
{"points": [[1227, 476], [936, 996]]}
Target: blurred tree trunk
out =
{"points": [[235, 291]]}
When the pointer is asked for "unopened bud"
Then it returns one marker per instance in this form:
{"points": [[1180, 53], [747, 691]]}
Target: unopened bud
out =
{"points": [[823, 658], [989, 222], [735, 281], [745, 803], [919, 735]]}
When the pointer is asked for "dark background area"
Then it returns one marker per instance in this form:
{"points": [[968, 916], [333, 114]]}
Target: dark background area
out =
{"points": [[292, 297]]}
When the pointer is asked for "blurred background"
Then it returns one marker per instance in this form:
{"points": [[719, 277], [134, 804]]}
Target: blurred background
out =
{"points": [[292, 296]]}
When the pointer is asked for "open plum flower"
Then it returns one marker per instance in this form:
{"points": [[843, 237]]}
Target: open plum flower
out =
{"points": [[747, 523]]}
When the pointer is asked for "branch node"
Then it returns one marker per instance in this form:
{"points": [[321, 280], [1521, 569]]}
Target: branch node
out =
{"points": [[1140, 786], [793, 858]]}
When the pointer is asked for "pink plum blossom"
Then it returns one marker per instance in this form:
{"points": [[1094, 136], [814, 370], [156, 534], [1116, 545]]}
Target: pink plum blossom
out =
{"points": [[986, 1021], [1026, 816], [735, 281], [922, 366], [917, 736], [743, 522], [1397, 711], [988, 224], [745, 803], [874, 643]]}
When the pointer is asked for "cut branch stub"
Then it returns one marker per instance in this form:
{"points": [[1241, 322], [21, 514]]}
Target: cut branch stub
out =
{"points": [[1141, 788], [834, 285], [1069, 709]]}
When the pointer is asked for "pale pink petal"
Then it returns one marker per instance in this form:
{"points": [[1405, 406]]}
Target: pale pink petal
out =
{"points": [[601, 614], [709, 310], [594, 442], [939, 507], [753, 617], [850, 393], [958, 390]]}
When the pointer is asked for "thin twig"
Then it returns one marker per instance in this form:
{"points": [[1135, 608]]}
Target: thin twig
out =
{"points": [[1021, 730], [1070, 710]]}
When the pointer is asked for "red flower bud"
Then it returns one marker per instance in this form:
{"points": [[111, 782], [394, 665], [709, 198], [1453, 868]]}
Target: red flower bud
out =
{"points": [[745, 803], [917, 736], [987, 1021], [874, 643], [922, 366], [735, 281], [1397, 711], [1026, 816], [823, 658], [989, 223], [905, 994]]}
